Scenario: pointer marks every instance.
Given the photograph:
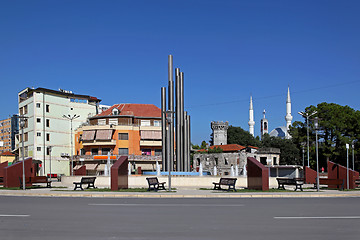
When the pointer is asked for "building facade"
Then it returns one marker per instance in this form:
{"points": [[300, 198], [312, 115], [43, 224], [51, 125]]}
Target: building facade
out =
{"points": [[8, 129], [123, 129], [47, 124]]}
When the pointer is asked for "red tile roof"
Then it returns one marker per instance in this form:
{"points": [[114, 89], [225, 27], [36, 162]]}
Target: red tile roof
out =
{"points": [[134, 109], [229, 147], [7, 154]]}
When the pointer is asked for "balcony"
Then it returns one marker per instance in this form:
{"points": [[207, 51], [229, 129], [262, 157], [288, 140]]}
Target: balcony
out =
{"points": [[150, 143], [111, 142]]}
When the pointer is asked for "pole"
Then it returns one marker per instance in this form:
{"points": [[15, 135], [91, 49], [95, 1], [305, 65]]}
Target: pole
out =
{"points": [[163, 128], [308, 148], [347, 166], [353, 156], [303, 152], [317, 161], [178, 121], [71, 118], [171, 107], [50, 149], [168, 152], [23, 151]]}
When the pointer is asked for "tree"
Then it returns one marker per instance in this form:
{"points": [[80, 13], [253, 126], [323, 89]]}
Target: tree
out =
{"points": [[338, 125], [237, 135]]}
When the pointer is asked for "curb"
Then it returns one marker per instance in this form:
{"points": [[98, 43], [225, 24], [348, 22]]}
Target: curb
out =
{"points": [[167, 195]]}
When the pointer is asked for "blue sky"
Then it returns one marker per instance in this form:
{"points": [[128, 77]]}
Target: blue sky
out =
{"points": [[118, 50]]}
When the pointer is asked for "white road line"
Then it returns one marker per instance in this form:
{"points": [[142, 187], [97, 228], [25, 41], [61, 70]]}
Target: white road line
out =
{"points": [[329, 217], [166, 205], [7, 215]]}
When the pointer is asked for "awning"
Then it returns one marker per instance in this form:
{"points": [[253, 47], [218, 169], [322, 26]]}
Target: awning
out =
{"points": [[104, 134], [77, 167], [150, 134], [88, 135], [90, 166]]}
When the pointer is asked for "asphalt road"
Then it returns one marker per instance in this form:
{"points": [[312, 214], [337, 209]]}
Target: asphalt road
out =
{"points": [[105, 218]]}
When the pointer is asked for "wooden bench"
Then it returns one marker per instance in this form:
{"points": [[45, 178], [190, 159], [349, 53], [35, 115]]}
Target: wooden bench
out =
{"points": [[154, 184], [297, 182], [329, 181], [37, 179], [90, 181], [230, 182]]}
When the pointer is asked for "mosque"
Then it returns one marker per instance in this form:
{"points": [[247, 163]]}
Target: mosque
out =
{"points": [[281, 131]]}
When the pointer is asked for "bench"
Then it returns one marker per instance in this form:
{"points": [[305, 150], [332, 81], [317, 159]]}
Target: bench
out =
{"points": [[230, 182], [154, 184], [37, 179], [55, 175], [329, 181], [297, 182], [90, 181]]}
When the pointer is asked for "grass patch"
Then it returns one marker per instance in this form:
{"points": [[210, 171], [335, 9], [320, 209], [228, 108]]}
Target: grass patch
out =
{"points": [[32, 187]]}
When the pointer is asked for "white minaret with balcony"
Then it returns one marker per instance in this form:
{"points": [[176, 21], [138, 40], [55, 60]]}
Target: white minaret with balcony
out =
{"points": [[251, 118], [288, 116]]}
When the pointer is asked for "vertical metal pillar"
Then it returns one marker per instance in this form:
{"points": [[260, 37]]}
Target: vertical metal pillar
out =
{"points": [[189, 144], [177, 113], [182, 152], [163, 128], [171, 109], [185, 143]]}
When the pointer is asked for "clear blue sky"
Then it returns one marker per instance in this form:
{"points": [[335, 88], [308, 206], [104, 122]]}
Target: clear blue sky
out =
{"points": [[117, 51]]}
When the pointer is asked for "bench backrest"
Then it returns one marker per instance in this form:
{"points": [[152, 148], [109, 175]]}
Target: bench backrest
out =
{"points": [[287, 180], [88, 179], [228, 181], [152, 180]]}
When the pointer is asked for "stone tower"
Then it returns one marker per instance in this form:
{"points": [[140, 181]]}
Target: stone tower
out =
{"points": [[219, 132], [264, 125], [251, 118]]}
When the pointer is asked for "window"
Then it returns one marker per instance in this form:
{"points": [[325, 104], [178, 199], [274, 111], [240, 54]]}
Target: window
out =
{"points": [[47, 122], [38, 120], [82, 151], [123, 151], [25, 109], [47, 108], [38, 134], [123, 136], [38, 105], [226, 162], [25, 137], [146, 152], [94, 151], [113, 121], [48, 151], [48, 137], [25, 151], [157, 123], [145, 123], [105, 151], [102, 122], [38, 149], [158, 152]]}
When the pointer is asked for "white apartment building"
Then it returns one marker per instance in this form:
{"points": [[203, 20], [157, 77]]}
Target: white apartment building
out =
{"points": [[46, 126]]}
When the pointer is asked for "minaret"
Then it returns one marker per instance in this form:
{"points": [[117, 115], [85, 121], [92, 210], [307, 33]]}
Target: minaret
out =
{"points": [[264, 125], [288, 116], [251, 118]]}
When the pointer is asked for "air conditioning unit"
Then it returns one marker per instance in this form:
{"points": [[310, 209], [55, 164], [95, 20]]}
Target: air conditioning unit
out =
{"points": [[64, 155]]}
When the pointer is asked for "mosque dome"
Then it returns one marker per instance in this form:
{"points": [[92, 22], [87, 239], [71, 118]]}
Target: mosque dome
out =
{"points": [[279, 132]]}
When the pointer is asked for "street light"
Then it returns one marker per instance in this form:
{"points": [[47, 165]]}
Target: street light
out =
{"points": [[22, 125], [307, 115], [71, 118], [50, 149], [169, 119], [353, 158], [316, 124]]}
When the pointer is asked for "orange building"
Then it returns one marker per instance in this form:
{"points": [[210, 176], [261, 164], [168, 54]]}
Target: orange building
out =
{"points": [[124, 129]]}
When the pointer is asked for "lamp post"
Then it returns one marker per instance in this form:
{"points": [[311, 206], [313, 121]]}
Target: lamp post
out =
{"points": [[169, 119], [353, 156], [307, 115], [71, 118], [50, 149], [347, 166], [316, 123], [22, 125]]}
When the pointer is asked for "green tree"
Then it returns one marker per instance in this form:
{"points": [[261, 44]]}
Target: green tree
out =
{"points": [[338, 125], [237, 135]]}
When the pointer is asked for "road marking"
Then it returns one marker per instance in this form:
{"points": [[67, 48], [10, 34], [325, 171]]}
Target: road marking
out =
{"points": [[166, 205], [7, 215], [329, 217]]}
